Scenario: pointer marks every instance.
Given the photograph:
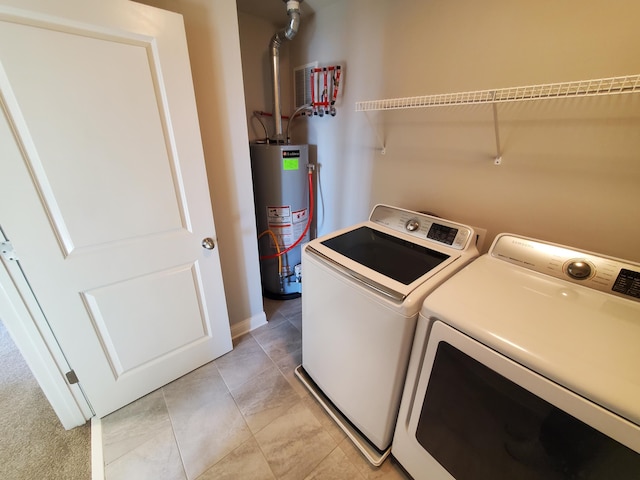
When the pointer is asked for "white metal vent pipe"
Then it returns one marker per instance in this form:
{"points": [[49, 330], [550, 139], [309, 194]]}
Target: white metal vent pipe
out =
{"points": [[287, 33]]}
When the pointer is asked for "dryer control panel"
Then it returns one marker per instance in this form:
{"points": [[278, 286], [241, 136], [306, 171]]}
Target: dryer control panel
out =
{"points": [[607, 274], [423, 226]]}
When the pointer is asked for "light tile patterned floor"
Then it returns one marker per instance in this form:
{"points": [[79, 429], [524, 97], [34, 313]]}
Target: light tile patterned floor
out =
{"points": [[242, 416]]}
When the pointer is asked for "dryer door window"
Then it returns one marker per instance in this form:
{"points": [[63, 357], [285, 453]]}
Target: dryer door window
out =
{"points": [[479, 424]]}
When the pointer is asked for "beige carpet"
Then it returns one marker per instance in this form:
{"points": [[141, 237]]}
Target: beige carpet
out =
{"points": [[33, 443]]}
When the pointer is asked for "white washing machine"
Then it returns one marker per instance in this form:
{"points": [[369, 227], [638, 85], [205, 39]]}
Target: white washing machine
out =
{"points": [[363, 287], [526, 365]]}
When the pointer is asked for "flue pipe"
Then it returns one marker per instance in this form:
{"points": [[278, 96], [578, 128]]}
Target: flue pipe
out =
{"points": [[287, 33]]}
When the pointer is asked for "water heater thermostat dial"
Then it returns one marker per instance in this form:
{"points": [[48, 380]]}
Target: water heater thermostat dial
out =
{"points": [[579, 269], [412, 225]]}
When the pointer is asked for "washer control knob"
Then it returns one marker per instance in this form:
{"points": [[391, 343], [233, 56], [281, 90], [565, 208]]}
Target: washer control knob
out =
{"points": [[579, 269], [412, 225]]}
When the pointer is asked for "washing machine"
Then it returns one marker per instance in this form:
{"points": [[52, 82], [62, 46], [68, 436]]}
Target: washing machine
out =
{"points": [[526, 365], [362, 289]]}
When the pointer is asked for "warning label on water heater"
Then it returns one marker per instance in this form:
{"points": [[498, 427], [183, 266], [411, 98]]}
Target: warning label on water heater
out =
{"points": [[287, 225], [278, 215]]}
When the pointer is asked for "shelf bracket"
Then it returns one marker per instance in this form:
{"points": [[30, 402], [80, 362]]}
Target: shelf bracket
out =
{"points": [[498, 159], [383, 148]]}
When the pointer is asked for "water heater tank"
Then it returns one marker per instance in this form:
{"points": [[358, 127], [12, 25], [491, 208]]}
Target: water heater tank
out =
{"points": [[281, 196]]}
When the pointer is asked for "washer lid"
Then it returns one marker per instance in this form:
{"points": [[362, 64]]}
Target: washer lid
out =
{"points": [[584, 339], [394, 257], [398, 252], [374, 270]]}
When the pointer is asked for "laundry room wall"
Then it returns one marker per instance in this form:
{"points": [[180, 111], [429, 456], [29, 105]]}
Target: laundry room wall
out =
{"points": [[570, 170]]}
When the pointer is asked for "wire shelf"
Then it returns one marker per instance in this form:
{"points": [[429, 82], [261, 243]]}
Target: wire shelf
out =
{"points": [[582, 88]]}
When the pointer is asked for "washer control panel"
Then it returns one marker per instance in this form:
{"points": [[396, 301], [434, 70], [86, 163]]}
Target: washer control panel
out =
{"points": [[607, 274], [423, 226]]}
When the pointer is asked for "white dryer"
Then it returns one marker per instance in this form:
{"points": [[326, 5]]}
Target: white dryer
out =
{"points": [[363, 287], [526, 365]]}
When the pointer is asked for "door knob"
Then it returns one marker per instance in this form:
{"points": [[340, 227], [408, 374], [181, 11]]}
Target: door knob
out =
{"points": [[208, 243]]}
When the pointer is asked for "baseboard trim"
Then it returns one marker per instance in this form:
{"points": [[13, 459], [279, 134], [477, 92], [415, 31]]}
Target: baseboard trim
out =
{"points": [[97, 454], [245, 326]]}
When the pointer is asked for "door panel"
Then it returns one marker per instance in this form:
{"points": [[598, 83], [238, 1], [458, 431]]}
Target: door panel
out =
{"points": [[112, 119], [101, 151], [134, 318]]}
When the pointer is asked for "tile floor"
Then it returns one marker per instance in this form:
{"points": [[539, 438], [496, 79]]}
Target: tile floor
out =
{"points": [[242, 416]]}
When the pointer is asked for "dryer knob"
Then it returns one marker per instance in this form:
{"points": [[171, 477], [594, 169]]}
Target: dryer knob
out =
{"points": [[579, 270]]}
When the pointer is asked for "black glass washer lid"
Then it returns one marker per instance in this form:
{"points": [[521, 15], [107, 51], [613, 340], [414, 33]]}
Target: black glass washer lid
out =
{"points": [[391, 256]]}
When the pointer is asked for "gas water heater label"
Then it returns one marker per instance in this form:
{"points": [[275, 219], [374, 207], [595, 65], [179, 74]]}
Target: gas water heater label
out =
{"points": [[279, 215], [280, 222], [291, 159], [286, 225], [299, 223]]}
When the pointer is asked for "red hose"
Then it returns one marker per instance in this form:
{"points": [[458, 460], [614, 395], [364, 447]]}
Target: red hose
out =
{"points": [[306, 228]]}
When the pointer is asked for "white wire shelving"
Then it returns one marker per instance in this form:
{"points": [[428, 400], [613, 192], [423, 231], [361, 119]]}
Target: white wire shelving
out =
{"points": [[580, 88]]}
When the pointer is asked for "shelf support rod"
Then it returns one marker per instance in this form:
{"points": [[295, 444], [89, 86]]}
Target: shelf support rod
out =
{"points": [[383, 148], [496, 127]]}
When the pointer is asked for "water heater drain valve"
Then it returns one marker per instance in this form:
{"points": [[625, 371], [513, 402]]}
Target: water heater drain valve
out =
{"points": [[298, 272]]}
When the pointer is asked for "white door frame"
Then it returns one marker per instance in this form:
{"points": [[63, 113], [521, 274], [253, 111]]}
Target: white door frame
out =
{"points": [[21, 315]]}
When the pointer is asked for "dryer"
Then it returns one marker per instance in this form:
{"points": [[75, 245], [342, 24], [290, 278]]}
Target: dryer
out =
{"points": [[363, 287], [525, 365]]}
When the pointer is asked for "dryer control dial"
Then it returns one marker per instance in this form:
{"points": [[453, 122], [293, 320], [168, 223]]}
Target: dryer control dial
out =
{"points": [[412, 225], [579, 269]]}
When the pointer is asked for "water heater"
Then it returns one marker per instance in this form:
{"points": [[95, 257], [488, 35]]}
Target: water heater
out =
{"points": [[281, 187]]}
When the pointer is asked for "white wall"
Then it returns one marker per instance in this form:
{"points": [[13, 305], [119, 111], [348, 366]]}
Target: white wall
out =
{"points": [[214, 49], [570, 171]]}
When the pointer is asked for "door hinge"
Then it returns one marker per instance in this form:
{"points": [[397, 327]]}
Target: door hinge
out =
{"points": [[72, 378], [7, 251]]}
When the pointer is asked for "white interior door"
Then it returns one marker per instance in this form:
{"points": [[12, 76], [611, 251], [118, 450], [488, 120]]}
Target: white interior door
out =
{"points": [[104, 191]]}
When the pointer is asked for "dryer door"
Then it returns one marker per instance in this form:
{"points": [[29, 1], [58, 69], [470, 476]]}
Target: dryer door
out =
{"points": [[477, 414]]}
